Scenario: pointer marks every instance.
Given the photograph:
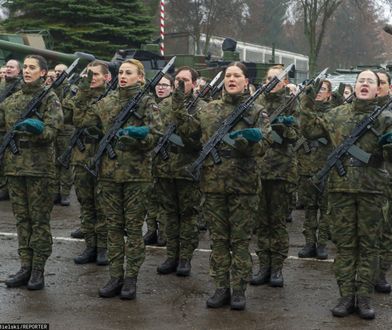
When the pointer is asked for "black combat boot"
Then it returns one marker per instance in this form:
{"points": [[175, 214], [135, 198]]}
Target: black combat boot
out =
{"points": [[183, 268], [150, 238], [308, 251], [56, 198], [65, 201], [345, 306], [276, 279], [102, 257], [128, 291], [112, 288], [262, 276], [220, 298], [322, 252], [4, 195], [168, 266], [36, 281], [77, 233], [20, 278], [238, 300], [87, 256], [365, 311], [161, 240], [382, 285]]}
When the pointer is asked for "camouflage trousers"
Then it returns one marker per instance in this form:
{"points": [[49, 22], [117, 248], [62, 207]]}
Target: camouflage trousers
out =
{"points": [[178, 201], [356, 223], [93, 221], [64, 176], [316, 228], [124, 206], [272, 235], [230, 221], [31, 203], [154, 219], [385, 255]]}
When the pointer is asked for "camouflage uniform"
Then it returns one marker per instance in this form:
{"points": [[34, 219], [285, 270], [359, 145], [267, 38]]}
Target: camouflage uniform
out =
{"points": [[6, 84], [230, 190], [124, 180], [93, 222], [64, 176], [178, 195], [356, 200], [29, 172], [312, 155], [385, 256], [278, 170]]}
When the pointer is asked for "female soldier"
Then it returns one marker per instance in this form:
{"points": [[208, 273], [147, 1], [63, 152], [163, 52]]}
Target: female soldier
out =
{"points": [[230, 187], [155, 233], [356, 198], [124, 180], [30, 171]]}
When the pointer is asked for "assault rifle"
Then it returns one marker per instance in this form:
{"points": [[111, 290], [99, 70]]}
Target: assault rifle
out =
{"points": [[217, 88], [210, 147], [348, 147], [163, 143], [32, 109], [10, 90], [105, 145], [76, 138]]}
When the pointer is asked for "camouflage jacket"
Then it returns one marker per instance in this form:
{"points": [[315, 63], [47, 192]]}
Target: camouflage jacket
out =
{"points": [[67, 129], [36, 155], [77, 106], [6, 84], [133, 162], [336, 125], [237, 173], [179, 157], [312, 154], [279, 161]]}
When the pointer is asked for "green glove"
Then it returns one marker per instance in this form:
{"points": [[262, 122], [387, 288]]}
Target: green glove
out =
{"points": [[337, 96], [137, 132], [179, 92], [31, 125], [86, 80], [385, 139], [250, 134], [241, 143]]}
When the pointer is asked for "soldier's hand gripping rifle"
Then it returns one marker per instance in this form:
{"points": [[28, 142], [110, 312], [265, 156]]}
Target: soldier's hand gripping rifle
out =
{"points": [[105, 145], [164, 140], [348, 147], [210, 147], [31, 109], [283, 107], [10, 90], [76, 138]]}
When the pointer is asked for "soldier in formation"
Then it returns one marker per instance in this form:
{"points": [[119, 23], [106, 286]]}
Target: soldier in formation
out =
{"points": [[357, 197], [30, 171]]}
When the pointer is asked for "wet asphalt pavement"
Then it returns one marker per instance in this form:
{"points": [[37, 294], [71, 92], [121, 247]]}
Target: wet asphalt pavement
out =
{"points": [[70, 299]]}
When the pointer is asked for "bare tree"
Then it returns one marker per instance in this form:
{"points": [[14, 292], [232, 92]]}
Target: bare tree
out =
{"points": [[315, 15], [204, 16]]}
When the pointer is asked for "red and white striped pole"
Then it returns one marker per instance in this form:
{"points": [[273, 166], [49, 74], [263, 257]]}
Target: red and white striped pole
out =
{"points": [[162, 27]]}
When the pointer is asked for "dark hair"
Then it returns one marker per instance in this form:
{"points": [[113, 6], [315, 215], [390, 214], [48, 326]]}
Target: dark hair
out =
{"points": [[349, 87], [193, 72], [103, 66], [170, 78], [377, 77], [42, 63], [241, 66], [386, 74]]}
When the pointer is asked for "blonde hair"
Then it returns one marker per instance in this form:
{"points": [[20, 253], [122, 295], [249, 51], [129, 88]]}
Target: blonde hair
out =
{"points": [[140, 68]]}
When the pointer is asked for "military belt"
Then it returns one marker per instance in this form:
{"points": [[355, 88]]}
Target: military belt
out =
{"points": [[89, 140], [374, 161], [176, 149]]}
